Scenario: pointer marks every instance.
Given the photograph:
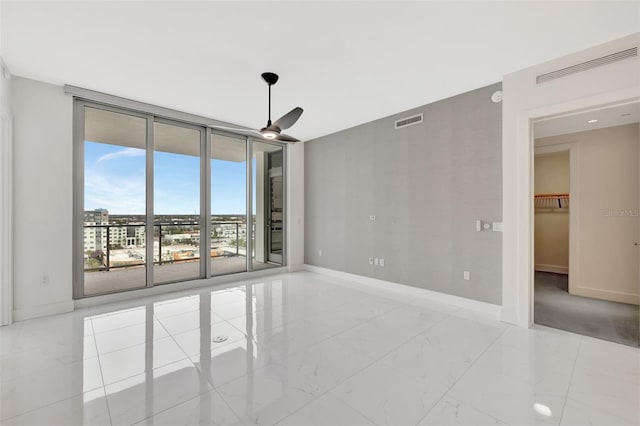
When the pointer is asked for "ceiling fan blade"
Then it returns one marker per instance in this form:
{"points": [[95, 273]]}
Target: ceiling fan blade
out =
{"points": [[286, 138], [289, 119]]}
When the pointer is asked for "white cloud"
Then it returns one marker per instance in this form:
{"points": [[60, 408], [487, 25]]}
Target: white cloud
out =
{"points": [[126, 152], [118, 194]]}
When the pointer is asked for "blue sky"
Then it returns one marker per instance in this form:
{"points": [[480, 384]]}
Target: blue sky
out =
{"points": [[115, 180]]}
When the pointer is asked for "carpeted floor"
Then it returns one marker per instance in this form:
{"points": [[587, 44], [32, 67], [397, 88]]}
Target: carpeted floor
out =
{"points": [[555, 307]]}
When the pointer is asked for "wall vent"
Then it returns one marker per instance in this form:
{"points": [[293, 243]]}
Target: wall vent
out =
{"points": [[594, 63], [409, 121]]}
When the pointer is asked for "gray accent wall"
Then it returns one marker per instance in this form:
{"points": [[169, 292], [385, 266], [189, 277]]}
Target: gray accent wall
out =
{"points": [[426, 184]]}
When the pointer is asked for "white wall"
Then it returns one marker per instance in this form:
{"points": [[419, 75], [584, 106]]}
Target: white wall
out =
{"points": [[552, 224], [607, 171], [524, 100], [6, 196], [43, 206], [295, 205]]}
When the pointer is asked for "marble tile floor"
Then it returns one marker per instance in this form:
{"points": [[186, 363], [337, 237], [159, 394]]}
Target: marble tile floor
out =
{"points": [[306, 349]]}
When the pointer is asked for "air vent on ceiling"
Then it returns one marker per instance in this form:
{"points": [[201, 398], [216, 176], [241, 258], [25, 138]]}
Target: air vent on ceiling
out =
{"points": [[409, 121], [584, 66]]}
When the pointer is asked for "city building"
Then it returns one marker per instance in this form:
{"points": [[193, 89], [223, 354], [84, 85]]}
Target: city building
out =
{"points": [[97, 216], [100, 233]]}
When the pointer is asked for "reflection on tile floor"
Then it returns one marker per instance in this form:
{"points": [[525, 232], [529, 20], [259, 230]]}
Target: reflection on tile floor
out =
{"points": [[306, 349], [117, 279]]}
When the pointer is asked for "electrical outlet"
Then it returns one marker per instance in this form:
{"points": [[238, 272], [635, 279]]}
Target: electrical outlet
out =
{"points": [[467, 275], [371, 261], [372, 217], [320, 253], [381, 262], [45, 279], [376, 261]]}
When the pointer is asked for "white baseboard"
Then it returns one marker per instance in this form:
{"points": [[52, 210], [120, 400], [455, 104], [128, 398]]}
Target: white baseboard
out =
{"points": [[43, 310], [491, 310], [392, 288], [614, 296], [552, 268]]}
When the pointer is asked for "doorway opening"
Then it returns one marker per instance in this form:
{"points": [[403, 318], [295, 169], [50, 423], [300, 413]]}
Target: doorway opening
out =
{"points": [[587, 223]]}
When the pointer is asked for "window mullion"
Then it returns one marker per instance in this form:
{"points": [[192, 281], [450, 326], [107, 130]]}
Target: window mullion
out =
{"points": [[249, 217], [150, 228], [205, 209]]}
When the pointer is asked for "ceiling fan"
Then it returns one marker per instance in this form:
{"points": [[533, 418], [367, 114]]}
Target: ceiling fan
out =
{"points": [[273, 130]]}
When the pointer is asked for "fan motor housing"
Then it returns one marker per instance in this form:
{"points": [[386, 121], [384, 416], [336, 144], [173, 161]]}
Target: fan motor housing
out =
{"points": [[270, 77]]}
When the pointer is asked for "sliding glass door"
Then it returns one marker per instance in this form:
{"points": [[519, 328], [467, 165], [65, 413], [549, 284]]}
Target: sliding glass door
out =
{"points": [[268, 205], [160, 201], [275, 206], [228, 204], [113, 221], [176, 202]]}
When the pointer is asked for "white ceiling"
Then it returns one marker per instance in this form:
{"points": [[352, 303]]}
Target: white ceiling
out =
{"points": [[618, 115], [345, 63]]}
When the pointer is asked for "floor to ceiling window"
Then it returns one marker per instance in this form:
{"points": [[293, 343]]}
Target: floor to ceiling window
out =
{"points": [[161, 201], [114, 218], [176, 202], [268, 205], [228, 204]]}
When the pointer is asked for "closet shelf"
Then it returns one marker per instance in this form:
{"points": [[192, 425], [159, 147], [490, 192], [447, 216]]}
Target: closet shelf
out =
{"points": [[555, 200]]}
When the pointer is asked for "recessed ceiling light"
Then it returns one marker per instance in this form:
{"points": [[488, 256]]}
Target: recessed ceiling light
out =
{"points": [[593, 120]]}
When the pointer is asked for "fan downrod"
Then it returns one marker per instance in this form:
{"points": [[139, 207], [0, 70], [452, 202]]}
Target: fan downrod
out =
{"points": [[270, 78]]}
